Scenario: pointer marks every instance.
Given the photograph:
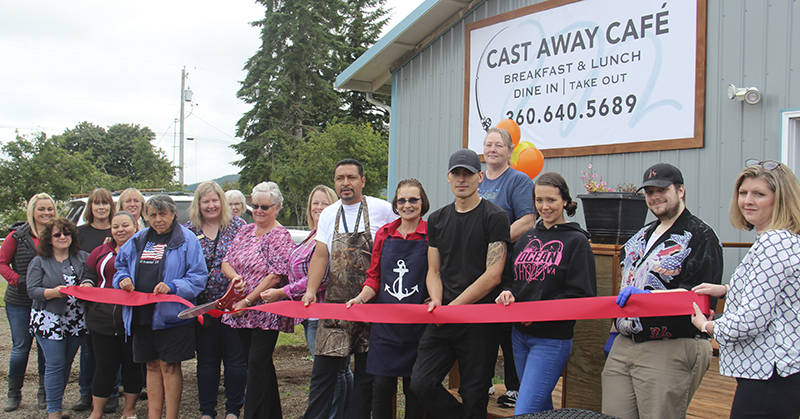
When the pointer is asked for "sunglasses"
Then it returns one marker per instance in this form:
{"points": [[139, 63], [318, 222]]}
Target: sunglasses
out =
{"points": [[412, 201], [65, 233], [767, 164], [262, 207]]}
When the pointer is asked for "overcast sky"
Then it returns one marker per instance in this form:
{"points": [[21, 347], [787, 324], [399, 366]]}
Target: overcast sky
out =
{"points": [[110, 62]]}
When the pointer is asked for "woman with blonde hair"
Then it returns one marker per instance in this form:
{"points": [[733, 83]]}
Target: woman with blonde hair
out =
{"points": [[759, 332], [132, 201], [211, 219], [17, 251], [319, 198]]}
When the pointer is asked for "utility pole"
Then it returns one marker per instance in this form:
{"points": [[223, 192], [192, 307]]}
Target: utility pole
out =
{"points": [[183, 86]]}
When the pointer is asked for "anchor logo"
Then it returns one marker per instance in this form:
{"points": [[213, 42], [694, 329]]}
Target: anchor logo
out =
{"points": [[396, 289]]}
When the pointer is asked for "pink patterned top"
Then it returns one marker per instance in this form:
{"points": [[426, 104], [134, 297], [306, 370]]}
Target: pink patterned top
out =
{"points": [[299, 260], [254, 257]]}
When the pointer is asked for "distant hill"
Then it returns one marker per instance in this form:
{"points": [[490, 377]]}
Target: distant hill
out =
{"points": [[219, 180]]}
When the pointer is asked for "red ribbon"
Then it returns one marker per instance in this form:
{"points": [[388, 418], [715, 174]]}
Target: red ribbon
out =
{"points": [[638, 305], [122, 297]]}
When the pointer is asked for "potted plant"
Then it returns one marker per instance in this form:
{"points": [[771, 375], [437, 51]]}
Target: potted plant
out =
{"points": [[612, 216]]}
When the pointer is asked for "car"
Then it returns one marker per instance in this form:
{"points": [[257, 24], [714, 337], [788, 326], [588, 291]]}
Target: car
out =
{"points": [[298, 235], [77, 205]]}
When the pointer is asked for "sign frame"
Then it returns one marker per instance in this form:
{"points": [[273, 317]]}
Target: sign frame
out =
{"points": [[696, 141]]}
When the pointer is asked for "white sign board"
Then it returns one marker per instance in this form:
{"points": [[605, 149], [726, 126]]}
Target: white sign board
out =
{"points": [[591, 76]]}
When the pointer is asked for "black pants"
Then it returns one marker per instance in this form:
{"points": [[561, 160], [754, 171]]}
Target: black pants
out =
{"points": [[323, 382], [383, 392], [469, 344], [219, 343], [503, 331], [111, 353], [776, 398], [261, 398]]}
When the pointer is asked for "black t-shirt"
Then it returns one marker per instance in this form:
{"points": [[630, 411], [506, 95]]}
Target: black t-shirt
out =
{"points": [[89, 237], [462, 240], [149, 271]]}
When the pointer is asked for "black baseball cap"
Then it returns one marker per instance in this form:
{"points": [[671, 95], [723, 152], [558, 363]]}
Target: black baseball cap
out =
{"points": [[661, 175], [465, 158]]}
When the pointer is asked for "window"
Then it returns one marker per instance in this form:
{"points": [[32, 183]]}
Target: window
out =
{"points": [[790, 138]]}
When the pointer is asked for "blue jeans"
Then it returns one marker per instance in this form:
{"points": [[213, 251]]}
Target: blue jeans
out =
{"points": [[19, 320], [86, 371], [344, 381], [539, 363], [219, 343], [58, 356]]}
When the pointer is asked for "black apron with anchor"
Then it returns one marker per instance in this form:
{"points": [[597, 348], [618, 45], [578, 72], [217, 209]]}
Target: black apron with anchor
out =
{"points": [[349, 260], [393, 347]]}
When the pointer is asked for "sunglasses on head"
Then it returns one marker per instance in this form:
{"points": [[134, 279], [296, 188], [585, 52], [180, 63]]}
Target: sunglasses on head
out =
{"points": [[412, 201], [767, 164], [60, 233], [262, 207]]}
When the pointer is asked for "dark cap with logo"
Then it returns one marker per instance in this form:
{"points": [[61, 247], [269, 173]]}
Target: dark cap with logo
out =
{"points": [[661, 175], [465, 158]]}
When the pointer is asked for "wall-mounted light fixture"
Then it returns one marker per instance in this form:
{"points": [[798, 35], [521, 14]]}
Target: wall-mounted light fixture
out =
{"points": [[750, 95]]}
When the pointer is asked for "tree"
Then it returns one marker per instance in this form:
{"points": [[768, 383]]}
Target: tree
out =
{"points": [[289, 82], [363, 25], [41, 165], [314, 161], [79, 160], [124, 151]]}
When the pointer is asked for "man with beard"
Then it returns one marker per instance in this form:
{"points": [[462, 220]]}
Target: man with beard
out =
{"points": [[656, 363]]}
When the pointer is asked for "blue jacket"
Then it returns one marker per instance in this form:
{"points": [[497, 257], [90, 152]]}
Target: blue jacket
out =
{"points": [[184, 271]]}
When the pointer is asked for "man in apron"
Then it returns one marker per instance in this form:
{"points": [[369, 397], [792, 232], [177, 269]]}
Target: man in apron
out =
{"points": [[345, 233], [466, 255]]}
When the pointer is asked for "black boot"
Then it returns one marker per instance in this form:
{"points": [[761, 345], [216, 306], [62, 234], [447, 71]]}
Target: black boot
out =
{"points": [[14, 394], [41, 398], [112, 404], [84, 403]]}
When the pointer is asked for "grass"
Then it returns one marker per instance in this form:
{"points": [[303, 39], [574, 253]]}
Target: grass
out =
{"points": [[298, 338], [3, 285]]}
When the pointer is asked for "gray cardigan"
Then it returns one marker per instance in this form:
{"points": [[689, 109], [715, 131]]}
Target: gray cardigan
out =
{"points": [[46, 272]]}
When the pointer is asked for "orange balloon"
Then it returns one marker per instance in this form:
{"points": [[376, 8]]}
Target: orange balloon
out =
{"points": [[512, 128], [530, 162]]}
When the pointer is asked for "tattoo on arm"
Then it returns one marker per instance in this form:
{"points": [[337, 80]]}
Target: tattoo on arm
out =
{"points": [[495, 253]]}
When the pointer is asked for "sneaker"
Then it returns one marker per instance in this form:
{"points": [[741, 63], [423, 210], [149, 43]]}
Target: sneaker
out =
{"points": [[508, 400], [491, 390]]}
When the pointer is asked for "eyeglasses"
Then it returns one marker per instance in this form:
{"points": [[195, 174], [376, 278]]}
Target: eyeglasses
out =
{"points": [[412, 201], [58, 235], [263, 207], [767, 164]]}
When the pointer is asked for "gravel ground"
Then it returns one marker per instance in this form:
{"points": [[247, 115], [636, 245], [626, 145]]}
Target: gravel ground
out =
{"points": [[292, 363]]}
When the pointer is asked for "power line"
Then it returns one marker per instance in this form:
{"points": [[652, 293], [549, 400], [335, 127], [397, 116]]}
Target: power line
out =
{"points": [[235, 140]]}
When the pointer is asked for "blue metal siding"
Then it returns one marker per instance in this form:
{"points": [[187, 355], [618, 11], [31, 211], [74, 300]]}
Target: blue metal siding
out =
{"points": [[748, 43]]}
